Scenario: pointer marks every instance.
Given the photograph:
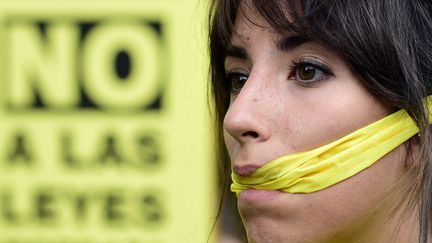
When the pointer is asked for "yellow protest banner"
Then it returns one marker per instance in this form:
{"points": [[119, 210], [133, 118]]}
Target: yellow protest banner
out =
{"points": [[104, 136]]}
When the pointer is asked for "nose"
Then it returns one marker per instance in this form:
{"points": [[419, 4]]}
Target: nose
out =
{"points": [[245, 120], [247, 123], [244, 126]]}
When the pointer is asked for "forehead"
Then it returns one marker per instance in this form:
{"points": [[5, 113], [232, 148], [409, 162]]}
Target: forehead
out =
{"points": [[253, 33], [248, 19], [251, 26]]}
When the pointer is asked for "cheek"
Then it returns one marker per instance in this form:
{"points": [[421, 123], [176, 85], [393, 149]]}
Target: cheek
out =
{"points": [[357, 200], [308, 130], [325, 122]]}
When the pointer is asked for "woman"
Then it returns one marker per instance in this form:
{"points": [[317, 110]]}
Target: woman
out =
{"points": [[290, 78]]}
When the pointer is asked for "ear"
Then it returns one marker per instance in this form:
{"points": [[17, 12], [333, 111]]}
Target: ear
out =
{"points": [[412, 147]]}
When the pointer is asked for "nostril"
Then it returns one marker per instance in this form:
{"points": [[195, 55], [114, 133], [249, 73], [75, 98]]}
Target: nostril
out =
{"points": [[250, 134]]}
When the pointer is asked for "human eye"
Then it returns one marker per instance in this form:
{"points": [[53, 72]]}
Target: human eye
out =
{"points": [[236, 81], [308, 72]]}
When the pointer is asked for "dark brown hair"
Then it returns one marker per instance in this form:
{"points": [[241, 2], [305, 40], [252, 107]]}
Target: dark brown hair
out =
{"points": [[386, 43]]}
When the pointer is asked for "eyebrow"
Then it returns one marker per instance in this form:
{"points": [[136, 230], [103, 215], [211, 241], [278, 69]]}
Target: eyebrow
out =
{"points": [[288, 43], [236, 51], [285, 44]]}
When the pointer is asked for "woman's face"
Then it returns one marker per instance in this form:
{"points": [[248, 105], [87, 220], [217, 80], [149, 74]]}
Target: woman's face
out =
{"points": [[291, 95]]}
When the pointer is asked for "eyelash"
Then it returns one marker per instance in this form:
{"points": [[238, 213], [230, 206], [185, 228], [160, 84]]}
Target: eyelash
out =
{"points": [[323, 69], [235, 78], [232, 78]]}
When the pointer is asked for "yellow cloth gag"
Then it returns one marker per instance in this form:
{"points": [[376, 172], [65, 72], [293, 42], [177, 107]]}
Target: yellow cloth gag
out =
{"points": [[314, 170]]}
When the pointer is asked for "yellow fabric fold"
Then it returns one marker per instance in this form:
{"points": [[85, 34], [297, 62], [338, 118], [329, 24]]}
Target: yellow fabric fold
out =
{"points": [[314, 170]]}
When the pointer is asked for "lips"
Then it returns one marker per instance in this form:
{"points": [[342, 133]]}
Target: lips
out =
{"points": [[245, 170]]}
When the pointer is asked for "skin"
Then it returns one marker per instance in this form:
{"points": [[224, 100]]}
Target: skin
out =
{"points": [[277, 113]]}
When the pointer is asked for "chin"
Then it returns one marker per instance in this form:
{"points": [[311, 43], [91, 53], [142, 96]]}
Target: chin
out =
{"points": [[270, 230], [283, 219], [260, 235], [268, 221], [264, 230], [266, 234]]}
